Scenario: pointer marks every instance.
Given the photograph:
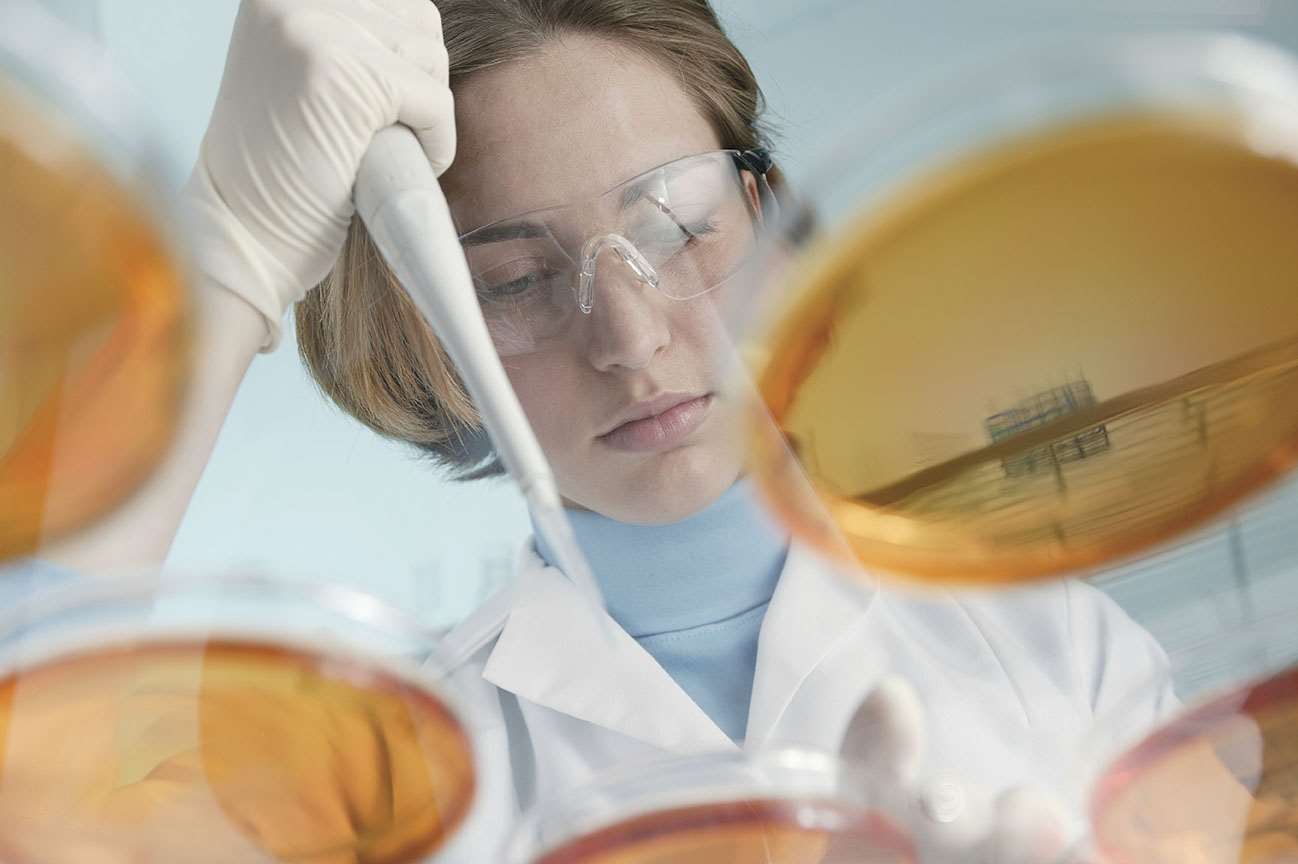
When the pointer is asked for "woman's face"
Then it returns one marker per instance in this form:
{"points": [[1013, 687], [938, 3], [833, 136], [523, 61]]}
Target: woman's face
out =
{"points": [[566, 124]]}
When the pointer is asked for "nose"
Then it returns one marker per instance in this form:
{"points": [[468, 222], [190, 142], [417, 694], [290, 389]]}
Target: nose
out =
{"points": [[629, 322]]}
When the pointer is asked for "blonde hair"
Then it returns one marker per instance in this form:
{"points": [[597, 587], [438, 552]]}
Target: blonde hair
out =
{"points": [[358, 333]]}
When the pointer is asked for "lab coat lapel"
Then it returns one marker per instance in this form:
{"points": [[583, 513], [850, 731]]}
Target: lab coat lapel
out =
{"points": [[814, 610], [557, 651]]}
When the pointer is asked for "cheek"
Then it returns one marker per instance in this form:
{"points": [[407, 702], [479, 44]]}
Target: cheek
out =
{"points": [[547, 391], [706, 330], [734, 309]]}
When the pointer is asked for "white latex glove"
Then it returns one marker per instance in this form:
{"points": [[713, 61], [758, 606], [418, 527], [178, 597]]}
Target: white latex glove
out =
{"points": [[307, 83], [949, 823]]}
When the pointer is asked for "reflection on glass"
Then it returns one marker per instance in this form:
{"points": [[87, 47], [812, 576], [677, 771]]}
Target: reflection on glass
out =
{"points": [[1217, 786], [773, 807], [93, 331], [194, 734], [1063, 347]]}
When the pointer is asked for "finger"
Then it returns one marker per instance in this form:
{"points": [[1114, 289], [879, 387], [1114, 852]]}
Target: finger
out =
{"points": [[420, 13], [420, 47], [423, 51], [390, 89], [429, 111], [1030, 827], [426, 54], [886, 734], [1239, 745]]}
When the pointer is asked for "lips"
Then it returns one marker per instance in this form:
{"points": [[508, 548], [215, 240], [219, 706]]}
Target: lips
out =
{"points": [[660, 423]]}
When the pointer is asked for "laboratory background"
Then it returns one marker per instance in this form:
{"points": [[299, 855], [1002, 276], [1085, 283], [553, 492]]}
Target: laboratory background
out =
{"points": [[296, 487]]}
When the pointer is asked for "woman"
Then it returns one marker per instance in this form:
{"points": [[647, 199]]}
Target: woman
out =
{"points": [[585, 132]]}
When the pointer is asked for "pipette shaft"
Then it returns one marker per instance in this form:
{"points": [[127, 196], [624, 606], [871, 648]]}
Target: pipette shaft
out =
{"points": [[402, 205]]}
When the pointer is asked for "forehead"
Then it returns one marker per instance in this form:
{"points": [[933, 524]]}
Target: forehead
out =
{"points": [[568, 122]]}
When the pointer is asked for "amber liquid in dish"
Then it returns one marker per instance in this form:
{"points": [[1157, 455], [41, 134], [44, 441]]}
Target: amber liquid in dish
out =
{"points": [[1063, 349], [225, 751], [94, 334]]}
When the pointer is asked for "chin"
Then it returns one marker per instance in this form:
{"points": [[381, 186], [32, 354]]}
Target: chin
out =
{"points": [[673, 487]]}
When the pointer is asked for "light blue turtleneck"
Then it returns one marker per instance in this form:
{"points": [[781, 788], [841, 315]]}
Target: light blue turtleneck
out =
{"points": [[693, 593]]}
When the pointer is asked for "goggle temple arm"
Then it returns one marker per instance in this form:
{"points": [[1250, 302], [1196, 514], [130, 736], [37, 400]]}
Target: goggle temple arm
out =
{"points": [[758, 162]]}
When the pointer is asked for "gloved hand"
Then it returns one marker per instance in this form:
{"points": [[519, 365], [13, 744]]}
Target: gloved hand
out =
{"points": [[307, 83], [1023, 825]]}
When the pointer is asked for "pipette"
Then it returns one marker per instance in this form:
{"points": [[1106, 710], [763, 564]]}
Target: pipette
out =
{"points": [[402, 205]]}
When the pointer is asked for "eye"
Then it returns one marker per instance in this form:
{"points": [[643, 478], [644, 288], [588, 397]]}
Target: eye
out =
{"points": [[695, 230], [667, 236], [497, 286]]}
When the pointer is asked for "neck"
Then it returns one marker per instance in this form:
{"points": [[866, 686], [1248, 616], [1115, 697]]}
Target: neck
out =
{"points": [[718, 563]]}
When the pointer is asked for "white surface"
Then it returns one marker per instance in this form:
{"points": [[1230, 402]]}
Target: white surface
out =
{"points": [[298, 487]]}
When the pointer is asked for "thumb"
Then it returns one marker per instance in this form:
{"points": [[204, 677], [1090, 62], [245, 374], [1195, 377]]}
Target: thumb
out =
{"points": [[1031, 827], [886, 733]]}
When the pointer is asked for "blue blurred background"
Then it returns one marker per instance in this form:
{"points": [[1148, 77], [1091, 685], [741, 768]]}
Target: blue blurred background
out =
{"points": [[297, 487]]}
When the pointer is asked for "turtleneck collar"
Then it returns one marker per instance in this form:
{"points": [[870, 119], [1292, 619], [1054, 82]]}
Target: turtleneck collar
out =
{"points": [[721, 562]]}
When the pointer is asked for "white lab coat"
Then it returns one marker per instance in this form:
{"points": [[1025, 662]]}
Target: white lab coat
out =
{"points": [[1011, 684]]}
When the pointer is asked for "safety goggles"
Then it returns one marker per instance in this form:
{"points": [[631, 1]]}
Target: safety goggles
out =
{"points": [[683, 228]]}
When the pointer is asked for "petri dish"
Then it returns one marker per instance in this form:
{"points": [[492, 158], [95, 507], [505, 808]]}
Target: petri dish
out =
{"points": [[1038, 316], [783, 806], [1218, 781], [240, 718], [94, 311]]}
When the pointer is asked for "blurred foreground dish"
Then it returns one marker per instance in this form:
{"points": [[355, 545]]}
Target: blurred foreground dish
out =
{"points": [[774, 806], [1218, 785], [1060, 350], [742, 832], [94, 331], [222, 719]]}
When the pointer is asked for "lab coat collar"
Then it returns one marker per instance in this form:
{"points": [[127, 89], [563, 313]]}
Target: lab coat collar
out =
{"points": [[816, 607], [557, 651], [553, 649]]}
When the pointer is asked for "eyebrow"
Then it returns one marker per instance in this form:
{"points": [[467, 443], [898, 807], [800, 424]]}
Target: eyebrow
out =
{"points": [[530, 230], [506, 231]]}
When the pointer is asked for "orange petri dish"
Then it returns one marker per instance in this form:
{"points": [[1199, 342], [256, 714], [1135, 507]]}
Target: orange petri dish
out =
{"points": [[755, 831], [226, 750], [1054, 345], [94, 331], [1218, 784]]}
